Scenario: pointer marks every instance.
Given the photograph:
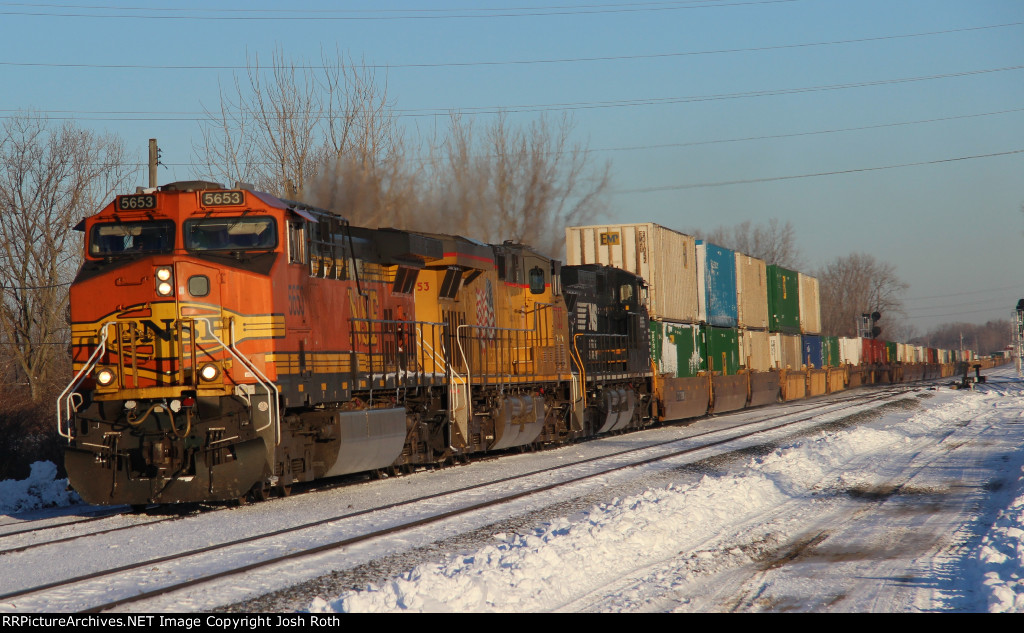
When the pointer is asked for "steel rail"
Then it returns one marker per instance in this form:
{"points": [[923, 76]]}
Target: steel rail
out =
{"points": [[804, 414]]}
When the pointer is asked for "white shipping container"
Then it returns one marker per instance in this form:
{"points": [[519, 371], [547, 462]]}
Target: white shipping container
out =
{"points": [[666, 259], [850, 350], [810, 304], [755, 350], [786, 350], [751, 291]]}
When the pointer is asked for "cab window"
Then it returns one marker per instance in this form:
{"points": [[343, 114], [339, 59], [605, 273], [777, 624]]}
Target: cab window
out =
{"points": [[537, 284], [116, 239], [231, 234]]}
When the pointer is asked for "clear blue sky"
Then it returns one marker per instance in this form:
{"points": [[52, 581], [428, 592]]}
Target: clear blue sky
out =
{"points": [[919, 103]]}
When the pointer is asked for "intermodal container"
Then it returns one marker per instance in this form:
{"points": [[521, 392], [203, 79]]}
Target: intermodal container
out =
{"points": [[786, 350], [850, 350], [783, 300], [755, 350], [678, 349], [723, 348], [811, 355], [873, 351], [716, 280], [666, 259], [810, 304], [830, 356], [890, 352], [751, 292]]}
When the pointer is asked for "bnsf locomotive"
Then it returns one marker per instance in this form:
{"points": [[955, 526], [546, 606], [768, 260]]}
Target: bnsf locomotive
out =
{"points": [[228, 344]]}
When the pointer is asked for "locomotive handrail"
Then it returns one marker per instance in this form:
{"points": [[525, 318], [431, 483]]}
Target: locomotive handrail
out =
{"points": [[416, 328], [272, 401], [69, 391], [583, 370], [449, 369], [482, 328], [465, 361], [431, 352]]}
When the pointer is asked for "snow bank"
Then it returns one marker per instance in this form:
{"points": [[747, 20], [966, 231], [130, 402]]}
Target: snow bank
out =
{"points": [[1001, 556], [41, 490], [562, 560], [550, 567]]}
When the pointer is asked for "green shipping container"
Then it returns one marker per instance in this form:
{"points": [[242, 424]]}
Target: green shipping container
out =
{"points": [[678, 349], [890, 350], [783, 300], [723, 345], [830, 351]]}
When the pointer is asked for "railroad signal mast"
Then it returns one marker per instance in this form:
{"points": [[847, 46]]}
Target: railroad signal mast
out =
{"points": [[1018, 335], [867, 324]]}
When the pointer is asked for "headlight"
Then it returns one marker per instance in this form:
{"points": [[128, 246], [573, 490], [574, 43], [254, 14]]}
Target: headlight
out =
{"points": [[209, 372], [105, 376], [164, 281]]}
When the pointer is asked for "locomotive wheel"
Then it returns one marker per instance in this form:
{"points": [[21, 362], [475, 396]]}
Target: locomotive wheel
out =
{"points": [[259, 492], [283, 491]]}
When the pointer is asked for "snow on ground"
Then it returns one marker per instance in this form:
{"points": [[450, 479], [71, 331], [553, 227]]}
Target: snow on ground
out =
{"points": [[921, 509], [610, 557], [40, 490]]}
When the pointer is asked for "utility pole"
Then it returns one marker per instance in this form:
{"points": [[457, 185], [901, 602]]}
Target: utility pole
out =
{"points": [[154, 160]]}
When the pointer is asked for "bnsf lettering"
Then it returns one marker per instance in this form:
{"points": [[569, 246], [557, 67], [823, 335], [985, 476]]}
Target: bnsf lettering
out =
{"points": [[163, 333]]}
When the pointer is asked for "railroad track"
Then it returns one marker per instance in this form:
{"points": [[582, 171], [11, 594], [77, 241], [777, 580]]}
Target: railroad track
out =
{"points": [[153, 577]]}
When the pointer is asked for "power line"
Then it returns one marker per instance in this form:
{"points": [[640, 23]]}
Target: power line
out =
{"points": [[568, 60], [935, 316], [717, 141], [34, 287], [700, 98], [814, 175], [961, 294], [992, 304], [797, 134], [387, 15], [579, 105]]}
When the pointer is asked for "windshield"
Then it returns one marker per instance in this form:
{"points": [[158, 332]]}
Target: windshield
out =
{"points": [[129, 238], [231, 234]]}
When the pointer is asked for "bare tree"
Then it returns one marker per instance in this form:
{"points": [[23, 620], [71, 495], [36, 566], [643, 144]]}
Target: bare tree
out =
{"points": [[856, 284], [773, 242], [523, 184], [50, 178], [281, 126], [328, 136], [993, 336], [369, 175]]}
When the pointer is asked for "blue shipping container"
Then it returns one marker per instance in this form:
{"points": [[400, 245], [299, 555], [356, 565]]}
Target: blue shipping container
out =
{"points": [[716, 271], [812, 351]]}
